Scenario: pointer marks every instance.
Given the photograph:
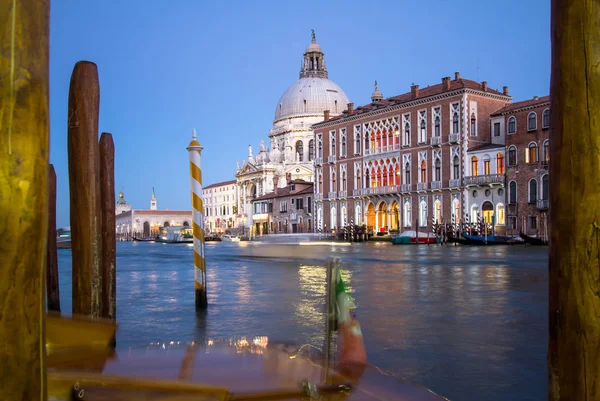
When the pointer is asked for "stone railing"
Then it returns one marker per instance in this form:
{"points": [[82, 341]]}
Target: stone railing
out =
{"points": [[382, 149], [318, 196], [331, 159], [542, 204], [405, 187], [318, 161], [436, 140], [486, 179], [436, 185], [454, 183], [342, 194], [422, 186], [453, 138], [332, 195]]}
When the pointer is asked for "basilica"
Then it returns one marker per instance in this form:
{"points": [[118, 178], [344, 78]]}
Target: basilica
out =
{"points": [[291, 151]]}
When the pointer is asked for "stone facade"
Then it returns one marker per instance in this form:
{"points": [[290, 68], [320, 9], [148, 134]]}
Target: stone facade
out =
{"points": [[285, 210], [527, 128], [220, 206], [401, 161], [146, 223]]}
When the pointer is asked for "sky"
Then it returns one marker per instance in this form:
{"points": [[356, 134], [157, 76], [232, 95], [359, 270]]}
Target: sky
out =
{"points": [[220, 67]]}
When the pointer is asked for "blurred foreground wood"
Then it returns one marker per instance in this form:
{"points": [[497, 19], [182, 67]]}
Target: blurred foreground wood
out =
{"points": [[574, 260], [52, 289], [24, 151]]}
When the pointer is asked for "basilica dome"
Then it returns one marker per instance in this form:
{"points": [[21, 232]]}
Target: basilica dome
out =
{"points": [[309, 96], [313, 93]]}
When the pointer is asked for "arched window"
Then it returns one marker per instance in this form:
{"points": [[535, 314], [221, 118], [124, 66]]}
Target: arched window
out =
{"points": [[343, 145], [532, 153], [512, 125], [333, 146], [300, 150], [456, 168], [423, 131], [320, 149], [500, 163], [532, 191], [423, 214], [512, 156], [512, 192], [407, 173], [407, 134], [357, 150], [501, 217], [333, 186], [407, 214], [474, 166], [438, 170], [320, 182], [546, 149], [438, 128], [456, 211], [311, 150], [487, 170], [344, 187], [333, 220], [358, 179], [423, 171], [473, 125], [545, 187], [546, 119], [398, 176], [532, 121], [455, 123], [367, 179]]}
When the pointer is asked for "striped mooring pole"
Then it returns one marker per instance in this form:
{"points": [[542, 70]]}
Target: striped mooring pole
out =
{"points": [[194, 149]]}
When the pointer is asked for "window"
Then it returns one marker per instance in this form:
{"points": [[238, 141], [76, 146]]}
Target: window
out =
{"points": [[512, 156], [309, 205], [512, 192], [546, 119], [407, 173], [500, 163], [407, 134], [474, 167], [319, 146], [546, 149], [311, 150], [358, 179], [357, 140], [438, 170], [500, 213], [455, 123], [486, 166], [299, 204], [283, 207], [496, 129], [344, 181], [407, 214], [270, 208], [343, 150], [423, 214], [437, 128], [422, 127], [533, 222], [532, 191], [456, 168], [333, 186], [531, 155], [299, 151], [512, 125], [545, 187], [532, 122], [423, 171], [333, 146], [473, 125]]}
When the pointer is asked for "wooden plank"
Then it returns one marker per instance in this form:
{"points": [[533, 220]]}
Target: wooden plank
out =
{"points": [[574, 260], [109, 239], [52, 291], [84, 184], [24, 148]]}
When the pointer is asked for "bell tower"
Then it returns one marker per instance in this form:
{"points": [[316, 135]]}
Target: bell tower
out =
{"points": [[314, 61], [153, 200]]}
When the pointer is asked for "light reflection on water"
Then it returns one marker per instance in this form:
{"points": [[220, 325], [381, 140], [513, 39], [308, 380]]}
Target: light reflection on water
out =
{"points": [[469, 323]]}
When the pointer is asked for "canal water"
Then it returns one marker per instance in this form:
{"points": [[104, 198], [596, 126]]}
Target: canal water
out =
{"points": [[470, 323]]}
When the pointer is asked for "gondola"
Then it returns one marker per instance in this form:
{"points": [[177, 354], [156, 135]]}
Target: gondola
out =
{"points": [[532, 240]]}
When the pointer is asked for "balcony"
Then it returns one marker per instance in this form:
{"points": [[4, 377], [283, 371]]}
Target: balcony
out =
{"points": [[488, 179], [436, 141], [318, 161], [542, 204], [545, 163], [331, 159], [405, 188], [356, 192], [390, 189], [342, 194], [422, 186], [318, 196], [454, 183], [436, 185], [382, 149], [453, 138], [332, 195]]}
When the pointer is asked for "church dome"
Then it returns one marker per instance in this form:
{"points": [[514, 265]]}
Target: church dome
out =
{"points": [[314, 48], [309, 96]]}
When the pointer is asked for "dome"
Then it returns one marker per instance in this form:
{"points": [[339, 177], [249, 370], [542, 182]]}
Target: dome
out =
{"points": [[309, 96], [313, 47]]}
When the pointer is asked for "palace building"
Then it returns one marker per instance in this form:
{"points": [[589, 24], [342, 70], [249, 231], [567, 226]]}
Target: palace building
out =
{"points": [[403, 162], [220, 206], [292, 146]]}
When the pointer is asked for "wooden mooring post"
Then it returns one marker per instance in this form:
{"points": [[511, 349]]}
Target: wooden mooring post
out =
{"points": [[84, 184], [574, 259], [109, 236], [24, 148], [52, 290]]}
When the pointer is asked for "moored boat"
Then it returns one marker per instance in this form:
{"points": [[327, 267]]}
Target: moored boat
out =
{"points": [[230, 238], [63, 238], [411, 237], [532, 240]]}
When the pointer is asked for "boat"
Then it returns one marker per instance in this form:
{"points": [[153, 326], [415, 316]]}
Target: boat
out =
{"points": [[229, 238], [212, 237], [175, 235], [410, 237], [489, 240], [63, 238], [532, 240]]}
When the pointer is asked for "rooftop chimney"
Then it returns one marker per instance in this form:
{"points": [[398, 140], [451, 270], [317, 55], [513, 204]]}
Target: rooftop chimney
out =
{"points": [[288, 179], [326, 112], [484, 86], [456, 76], [350, 108], [446, 84], [414, 89], [275, 184], [505, 91], [535, 98]]}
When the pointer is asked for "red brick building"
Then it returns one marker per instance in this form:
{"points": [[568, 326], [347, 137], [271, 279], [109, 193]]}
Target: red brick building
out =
{"points": [[400, 161], [527, 128], [286, 210]]}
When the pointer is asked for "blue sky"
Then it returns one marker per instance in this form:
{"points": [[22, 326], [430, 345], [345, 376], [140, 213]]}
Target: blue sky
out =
{"points": [[220, 67]]}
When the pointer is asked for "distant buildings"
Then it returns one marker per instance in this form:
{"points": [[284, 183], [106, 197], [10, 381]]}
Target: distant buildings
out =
{"points": [[220, 206]]}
